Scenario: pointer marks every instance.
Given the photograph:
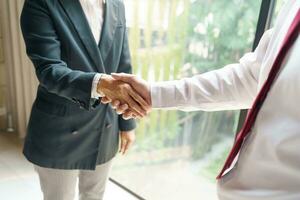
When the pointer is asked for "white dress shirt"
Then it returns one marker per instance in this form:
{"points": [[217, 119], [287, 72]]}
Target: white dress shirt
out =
{"points": [[93, 10], [268, 167]]}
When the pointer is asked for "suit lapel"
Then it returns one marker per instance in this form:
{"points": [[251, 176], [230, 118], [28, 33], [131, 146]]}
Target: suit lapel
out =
{"points": [[77, 16], [109, 27]]}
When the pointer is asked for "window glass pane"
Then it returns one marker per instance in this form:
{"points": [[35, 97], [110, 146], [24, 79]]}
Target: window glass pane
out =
{"points": [[177, 155], [2, 86], [278, 6]]}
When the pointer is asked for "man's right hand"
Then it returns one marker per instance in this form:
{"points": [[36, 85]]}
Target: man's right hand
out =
{"points": [[117, 90], [139, 85]]}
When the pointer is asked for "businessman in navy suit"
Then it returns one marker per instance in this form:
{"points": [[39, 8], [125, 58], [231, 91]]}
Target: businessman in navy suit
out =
{"points": [[73, 45]]}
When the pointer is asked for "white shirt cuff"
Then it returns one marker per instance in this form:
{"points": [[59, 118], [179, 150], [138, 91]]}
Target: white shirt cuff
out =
{"points": [[94, 93]]}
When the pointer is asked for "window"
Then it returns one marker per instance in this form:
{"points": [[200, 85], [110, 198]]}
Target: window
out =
{"points": [[278, 6], [177, 155], [2, 86]]}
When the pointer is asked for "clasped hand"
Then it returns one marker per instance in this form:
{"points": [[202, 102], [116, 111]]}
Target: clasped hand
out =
{"points": [[129, 95]]}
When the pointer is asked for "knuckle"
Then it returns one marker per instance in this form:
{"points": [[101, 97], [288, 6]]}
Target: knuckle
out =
{"points": [[124, 88], [118, 86], [127, 86]]}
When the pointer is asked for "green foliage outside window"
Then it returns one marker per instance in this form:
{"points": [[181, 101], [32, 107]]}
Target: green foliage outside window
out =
{"points": [[182, 38]]}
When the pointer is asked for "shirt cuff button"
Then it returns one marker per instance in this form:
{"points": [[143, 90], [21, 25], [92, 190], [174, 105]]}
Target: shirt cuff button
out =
{"points": [[75, 132]]}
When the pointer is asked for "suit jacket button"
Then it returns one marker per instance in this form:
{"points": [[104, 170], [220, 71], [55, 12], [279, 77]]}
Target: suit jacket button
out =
{"points": [[82, 104], [75, 132]]}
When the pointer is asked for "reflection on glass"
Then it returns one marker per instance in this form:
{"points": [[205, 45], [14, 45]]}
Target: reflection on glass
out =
{"points": [[2, 86], [177, 155], [278, 6]]}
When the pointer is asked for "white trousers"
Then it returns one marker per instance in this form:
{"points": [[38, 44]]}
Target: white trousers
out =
{"points": [[59, 184]]}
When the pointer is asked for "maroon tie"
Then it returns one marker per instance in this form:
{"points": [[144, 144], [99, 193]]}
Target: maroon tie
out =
{"points": [[290, 38]]}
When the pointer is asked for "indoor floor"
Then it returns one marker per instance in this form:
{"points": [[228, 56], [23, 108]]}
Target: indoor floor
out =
{"points": [[18, 180]]}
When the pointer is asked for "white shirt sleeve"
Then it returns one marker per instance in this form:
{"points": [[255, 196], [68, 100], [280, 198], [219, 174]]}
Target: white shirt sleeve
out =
{"points": [[233, 87], [94, 93]]}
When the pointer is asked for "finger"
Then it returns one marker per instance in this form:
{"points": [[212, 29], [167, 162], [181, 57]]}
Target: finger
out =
{"points": [[139, 100], [115, 104], [105, 100], [123, 145], [122, 108], [135, 107], [128, 115], [127, 146], [123, 77], [133, 116]]}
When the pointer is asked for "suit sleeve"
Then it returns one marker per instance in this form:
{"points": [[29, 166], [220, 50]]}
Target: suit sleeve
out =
{"points": [[126, 67], [233, 87], [44, 49]]}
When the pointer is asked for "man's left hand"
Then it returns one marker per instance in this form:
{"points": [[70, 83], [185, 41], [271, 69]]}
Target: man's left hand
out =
{"points": [[127, 139]]}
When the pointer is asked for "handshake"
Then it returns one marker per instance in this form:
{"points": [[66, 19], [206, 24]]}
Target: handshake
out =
{"points": [[128, 95]]}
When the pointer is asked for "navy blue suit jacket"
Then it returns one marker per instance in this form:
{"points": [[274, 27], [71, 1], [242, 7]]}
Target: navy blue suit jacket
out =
{"points": [[67, 128]]}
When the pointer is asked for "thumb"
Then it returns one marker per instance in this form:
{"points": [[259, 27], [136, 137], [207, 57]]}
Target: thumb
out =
{"points": [[123, 77], [105, 100]]}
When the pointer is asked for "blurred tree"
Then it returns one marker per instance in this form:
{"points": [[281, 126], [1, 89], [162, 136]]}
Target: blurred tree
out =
{"points": [[182, 38], [220, 32]]}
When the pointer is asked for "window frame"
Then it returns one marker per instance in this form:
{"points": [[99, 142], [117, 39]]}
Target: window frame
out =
{"points": [[264, 22]]}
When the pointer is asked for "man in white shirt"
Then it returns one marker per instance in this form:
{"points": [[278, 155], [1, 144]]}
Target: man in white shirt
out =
{"points": [[268, 165]]}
